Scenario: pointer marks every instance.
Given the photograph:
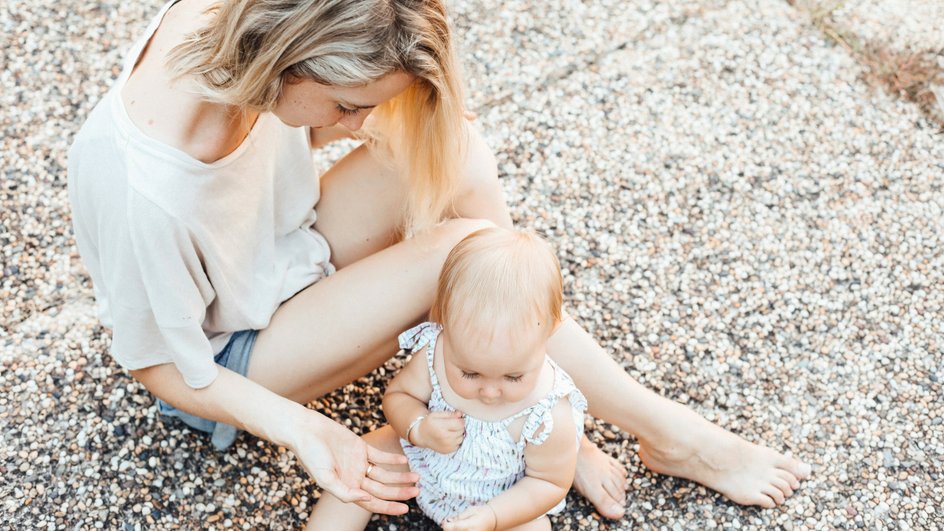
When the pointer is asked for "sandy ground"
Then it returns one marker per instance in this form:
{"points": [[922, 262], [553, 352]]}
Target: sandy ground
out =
{"points": [[744, 224]]}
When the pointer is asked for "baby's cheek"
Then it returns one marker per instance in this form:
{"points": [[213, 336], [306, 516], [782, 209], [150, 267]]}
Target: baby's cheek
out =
{"points": [[518, 392], [465, 389]]}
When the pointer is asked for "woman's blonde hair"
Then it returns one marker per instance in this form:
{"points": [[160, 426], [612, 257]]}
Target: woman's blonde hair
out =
{"points": [[244, 55], [497, 276]]}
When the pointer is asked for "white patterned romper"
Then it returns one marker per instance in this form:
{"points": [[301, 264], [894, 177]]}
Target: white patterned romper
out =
{"points": [[489, 461]]}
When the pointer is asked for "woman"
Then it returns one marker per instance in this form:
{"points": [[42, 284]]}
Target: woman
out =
{"points": [[193, 195]]}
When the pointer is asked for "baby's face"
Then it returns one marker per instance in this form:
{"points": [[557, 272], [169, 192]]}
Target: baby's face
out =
{"points": [[497, 370]]}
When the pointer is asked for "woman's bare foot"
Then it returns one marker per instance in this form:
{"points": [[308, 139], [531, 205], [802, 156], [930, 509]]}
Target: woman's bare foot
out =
{"points": [[601, 479], [744, 472]]}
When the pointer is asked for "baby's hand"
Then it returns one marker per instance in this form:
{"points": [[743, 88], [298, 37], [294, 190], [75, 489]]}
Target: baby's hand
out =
{"points": [[440, 431], [478, 518]]}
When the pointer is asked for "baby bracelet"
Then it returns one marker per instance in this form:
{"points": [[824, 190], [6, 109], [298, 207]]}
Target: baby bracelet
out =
{"points": [[413, 424], [493, 514]]}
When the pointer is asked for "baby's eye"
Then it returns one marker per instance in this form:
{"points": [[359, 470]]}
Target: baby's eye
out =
{"points": [[514, 378], [470, 375]]}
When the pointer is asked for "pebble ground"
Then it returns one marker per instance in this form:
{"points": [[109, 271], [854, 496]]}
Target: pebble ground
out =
{"points": [[743, 223]]}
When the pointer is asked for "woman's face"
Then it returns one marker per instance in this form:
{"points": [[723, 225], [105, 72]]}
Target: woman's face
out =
{"points": [[307, 103]]}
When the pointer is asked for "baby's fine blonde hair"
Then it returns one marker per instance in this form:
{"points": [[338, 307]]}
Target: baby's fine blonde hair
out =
{"points": [[249, 48], [499, 277]]}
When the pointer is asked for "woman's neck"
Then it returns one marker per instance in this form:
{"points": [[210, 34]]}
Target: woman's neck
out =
{"points": [[169, 109]]}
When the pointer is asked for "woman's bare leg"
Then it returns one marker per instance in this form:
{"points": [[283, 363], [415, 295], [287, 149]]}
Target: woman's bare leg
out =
{"points": [[344, 326], [674, 440]]}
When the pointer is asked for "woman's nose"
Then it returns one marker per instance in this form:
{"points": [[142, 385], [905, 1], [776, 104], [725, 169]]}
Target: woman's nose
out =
{"points": [[355, 121]]}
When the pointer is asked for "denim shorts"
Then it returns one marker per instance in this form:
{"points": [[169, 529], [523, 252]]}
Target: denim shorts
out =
{"points": [[235, 357]]}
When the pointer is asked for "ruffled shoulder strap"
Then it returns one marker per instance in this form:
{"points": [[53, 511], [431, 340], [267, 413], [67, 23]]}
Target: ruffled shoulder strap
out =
{"points": [[542, 413], [423, 335], [419, 336]]}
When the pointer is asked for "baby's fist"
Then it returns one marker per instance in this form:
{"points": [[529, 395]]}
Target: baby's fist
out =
{"points": [[440, 431]]}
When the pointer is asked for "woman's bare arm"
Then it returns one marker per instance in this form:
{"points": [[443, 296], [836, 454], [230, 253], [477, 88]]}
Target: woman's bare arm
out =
{"points": [[231, 399], [336, 458]]}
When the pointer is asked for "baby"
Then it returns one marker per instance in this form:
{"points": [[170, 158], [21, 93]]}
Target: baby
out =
{"points": [[487, 420]]}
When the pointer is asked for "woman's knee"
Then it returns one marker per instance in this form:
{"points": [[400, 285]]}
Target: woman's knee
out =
{"points": [[480, 194], [480, 169]]}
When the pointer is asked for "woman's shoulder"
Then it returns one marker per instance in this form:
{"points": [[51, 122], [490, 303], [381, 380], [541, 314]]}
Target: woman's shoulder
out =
{"points": [[169, 110]]}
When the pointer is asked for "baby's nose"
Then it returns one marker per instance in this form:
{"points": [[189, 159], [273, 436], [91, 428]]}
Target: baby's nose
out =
{"points": [[490, 392]]}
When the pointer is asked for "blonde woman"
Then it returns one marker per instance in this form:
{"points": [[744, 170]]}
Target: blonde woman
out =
{"points": [[194, 198]]}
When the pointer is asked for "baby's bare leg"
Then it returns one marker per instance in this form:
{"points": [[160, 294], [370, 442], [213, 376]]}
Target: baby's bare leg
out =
{"points": [[332, 513]]}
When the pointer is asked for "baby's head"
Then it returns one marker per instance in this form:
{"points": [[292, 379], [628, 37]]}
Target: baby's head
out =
{"points": [[499, 299]]}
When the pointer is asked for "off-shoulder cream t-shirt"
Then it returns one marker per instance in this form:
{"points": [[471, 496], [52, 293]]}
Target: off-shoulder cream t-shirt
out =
{"points": [[183, 253]]}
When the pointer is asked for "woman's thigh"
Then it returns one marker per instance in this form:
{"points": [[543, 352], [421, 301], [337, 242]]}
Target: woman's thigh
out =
{"points": [[344, 326]]}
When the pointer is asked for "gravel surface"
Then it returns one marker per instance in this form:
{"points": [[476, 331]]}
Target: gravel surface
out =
{"points": [[905, 25], [743, 223]]}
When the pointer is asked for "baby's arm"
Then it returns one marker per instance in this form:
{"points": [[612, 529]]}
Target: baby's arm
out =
{"points": [[548, 477], [405, 401]]}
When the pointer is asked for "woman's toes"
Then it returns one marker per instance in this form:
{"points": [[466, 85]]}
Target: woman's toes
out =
{"points": [[804, 470], [764, 501], [796, 467], [789, 478], [775, 494], [784, 486]]}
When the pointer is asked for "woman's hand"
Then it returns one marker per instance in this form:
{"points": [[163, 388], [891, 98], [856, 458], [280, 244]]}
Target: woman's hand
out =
{"points": [[338, 460], [478, 518]]}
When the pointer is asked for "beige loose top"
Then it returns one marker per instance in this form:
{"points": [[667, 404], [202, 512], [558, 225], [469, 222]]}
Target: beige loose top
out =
{"points": [[182, 253]]}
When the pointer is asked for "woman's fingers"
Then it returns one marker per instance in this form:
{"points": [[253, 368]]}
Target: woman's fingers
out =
{"points": [[330, 482], [389, 492], [379, 506], [379, 456], [392, 477]]}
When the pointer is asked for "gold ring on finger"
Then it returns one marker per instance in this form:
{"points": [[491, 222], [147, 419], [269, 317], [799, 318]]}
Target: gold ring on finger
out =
{"points": [[370, 466]]}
